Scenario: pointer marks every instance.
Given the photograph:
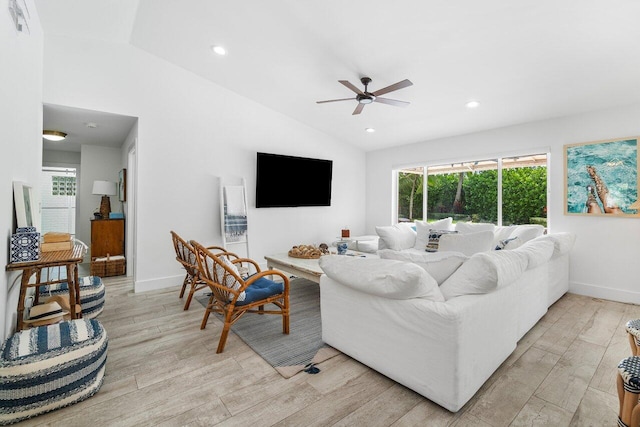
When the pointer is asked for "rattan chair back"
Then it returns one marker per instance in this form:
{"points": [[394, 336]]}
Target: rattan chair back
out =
{"points": [[226, 287]]}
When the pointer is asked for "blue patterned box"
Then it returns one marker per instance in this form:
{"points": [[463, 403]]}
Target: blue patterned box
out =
{"points": [[25, 245]]}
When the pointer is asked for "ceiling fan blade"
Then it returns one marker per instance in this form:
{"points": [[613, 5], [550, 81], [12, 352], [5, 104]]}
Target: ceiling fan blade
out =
{"points": [[352, 87], [404, 83], [392, 102], [358, 109], [335, 100]]}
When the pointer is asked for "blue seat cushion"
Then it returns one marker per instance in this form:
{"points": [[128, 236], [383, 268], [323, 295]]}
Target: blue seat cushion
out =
{"points": [[261, 289]]}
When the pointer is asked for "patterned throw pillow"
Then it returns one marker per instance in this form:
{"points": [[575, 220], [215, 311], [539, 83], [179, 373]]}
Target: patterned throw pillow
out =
{"points": [[434, 239]]}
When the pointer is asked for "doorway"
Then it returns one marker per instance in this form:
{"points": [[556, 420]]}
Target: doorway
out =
{"points": [[58, 189]]}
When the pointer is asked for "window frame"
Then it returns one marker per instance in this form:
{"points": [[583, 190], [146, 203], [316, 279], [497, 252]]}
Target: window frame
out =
{"points": [[497, 157]]}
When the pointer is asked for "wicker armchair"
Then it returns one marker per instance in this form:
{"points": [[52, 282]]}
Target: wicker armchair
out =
{"points": [[186, 255], [233, 296]]}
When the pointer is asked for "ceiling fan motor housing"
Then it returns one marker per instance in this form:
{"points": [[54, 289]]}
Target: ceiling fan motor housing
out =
{"points": [[365, 98]]}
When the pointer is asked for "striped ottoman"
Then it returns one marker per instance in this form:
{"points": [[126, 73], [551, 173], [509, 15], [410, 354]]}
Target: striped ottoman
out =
{"points": [[49, 367], [91, 294]]}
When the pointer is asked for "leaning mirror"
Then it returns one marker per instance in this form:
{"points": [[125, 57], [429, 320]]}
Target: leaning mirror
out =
{"points": [[23, 200]]}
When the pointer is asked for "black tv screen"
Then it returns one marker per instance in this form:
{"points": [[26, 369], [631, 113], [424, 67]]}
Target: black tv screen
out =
{"points": [[288, 181]]}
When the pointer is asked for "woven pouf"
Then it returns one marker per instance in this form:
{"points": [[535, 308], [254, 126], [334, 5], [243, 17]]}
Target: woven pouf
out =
{"points": [[633, 329], [629, 391], [49, 367], [92, 293]]}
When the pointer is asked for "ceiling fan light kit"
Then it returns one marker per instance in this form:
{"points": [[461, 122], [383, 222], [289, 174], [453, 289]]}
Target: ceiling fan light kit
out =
{"points": [[365, 97]]}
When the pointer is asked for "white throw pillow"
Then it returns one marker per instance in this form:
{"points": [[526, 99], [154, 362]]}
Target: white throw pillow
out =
{"points": [[382, 277], [484, 272], [467, 243], [397, 237], [474, 227], [502, 233], [440, 265], [527, 232], [423, 227], [476, 276]]}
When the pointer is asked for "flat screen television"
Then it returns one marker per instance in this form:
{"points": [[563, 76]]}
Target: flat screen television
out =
{"points": [[288, 181]]}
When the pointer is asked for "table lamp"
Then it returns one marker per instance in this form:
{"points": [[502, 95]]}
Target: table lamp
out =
{"points": [[106, 189]]}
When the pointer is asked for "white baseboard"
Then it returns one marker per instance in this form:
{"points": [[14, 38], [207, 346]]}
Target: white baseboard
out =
{"points": [[158, 283], [611, 294]]}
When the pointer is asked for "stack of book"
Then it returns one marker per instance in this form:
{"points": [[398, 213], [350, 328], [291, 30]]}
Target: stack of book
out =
{"points": [[54, 241]]}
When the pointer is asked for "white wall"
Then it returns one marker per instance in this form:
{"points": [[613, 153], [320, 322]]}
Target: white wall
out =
{"points": [[60, 158], [21, 146], [190, 133], [604, 260]]}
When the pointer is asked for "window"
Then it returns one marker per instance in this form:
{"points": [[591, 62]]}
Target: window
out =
{"points": [[504, 191], [410, 194]]}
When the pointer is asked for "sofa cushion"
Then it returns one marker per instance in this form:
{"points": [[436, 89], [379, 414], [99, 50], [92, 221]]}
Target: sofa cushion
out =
{"points": [[423, 228], [439, 265], [484, 272], [474, 227], [397, 237], [467, 243], [382, 277], [367, 244], [562, 242], [537, 252]]}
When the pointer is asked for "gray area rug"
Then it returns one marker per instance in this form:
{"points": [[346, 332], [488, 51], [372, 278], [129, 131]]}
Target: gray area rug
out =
{"points": [[287, 353]]}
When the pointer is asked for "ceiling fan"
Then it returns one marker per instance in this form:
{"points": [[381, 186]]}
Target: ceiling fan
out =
{"points": [[365, 97]]}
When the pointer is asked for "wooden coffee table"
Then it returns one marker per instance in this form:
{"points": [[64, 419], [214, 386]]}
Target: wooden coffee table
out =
{"points": [[302, 267]]}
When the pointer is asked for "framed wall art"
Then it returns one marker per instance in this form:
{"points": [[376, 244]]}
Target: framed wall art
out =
{"points": [[122, 185], [601, 178]]}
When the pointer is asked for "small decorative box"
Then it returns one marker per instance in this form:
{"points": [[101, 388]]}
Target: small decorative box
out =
{"points": [[25, 245]]}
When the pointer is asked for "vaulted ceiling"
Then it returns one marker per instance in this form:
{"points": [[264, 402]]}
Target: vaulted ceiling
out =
{"points": [[522, 60]]}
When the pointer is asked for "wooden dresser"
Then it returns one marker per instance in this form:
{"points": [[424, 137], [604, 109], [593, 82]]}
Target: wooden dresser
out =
{"points": [[107, 240]]}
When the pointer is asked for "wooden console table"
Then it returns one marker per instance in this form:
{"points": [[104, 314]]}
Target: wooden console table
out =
{"points": [[68, 259]]}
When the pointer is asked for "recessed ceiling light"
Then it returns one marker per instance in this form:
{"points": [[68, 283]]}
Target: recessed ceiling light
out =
{"points": [[219, 50], [53, 135], [472, 104], [370, 130]]}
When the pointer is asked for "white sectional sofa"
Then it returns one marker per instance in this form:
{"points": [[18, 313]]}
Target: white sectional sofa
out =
{"points": [[441, 323]]}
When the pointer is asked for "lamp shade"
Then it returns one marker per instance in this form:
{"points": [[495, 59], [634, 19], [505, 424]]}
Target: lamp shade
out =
{"points": [[104, 188]]}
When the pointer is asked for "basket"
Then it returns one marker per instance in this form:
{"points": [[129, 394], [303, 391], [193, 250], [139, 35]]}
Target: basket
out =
{"points": [[108, 266], [294, 255]]}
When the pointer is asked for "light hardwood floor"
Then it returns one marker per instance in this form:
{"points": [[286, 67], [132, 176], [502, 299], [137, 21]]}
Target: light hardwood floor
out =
{"points": [[163, 370]]}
